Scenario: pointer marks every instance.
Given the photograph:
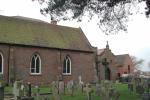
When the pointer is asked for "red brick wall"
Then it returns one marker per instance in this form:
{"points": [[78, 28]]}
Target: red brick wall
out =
{"points": [[111, 60], [4, 49], [124, 68], [51, 64]]}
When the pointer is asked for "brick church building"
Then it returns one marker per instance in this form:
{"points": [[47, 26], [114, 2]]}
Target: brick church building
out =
{"points": [[39, 52], [110, 66]]}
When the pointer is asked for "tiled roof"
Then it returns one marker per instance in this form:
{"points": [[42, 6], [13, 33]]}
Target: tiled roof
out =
{"points": [[121, 58], [26, 31]]}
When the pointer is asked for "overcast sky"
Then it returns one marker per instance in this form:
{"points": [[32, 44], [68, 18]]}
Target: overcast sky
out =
{"points": [[135, 42]]}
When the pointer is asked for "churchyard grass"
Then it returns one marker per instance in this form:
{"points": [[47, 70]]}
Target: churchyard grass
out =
{"points": [[125, 94], [78, 95], [8, 89]]}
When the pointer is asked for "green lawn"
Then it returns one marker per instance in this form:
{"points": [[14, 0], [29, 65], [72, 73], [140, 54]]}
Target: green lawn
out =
{"points": [[78, 95]]}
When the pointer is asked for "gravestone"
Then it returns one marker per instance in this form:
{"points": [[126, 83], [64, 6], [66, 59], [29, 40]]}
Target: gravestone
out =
{"points": [[1, 91], [1, 88], [130, 87], [61, 87], [81, 84], [97, 89], [29, 90], [70, 87], [146, 96], [17, 90], [37, 92], [107, 92], [22, 90], [139, 89], [88, 90], [55, 90]]}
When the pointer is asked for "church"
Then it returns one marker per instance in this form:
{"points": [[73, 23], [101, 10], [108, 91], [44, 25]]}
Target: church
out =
{"points": [[111, 66], [39, 52]]}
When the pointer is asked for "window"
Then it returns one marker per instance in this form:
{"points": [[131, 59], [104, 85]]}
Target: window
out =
{"points": [[35, 64], [1, 63], [67, 66]]}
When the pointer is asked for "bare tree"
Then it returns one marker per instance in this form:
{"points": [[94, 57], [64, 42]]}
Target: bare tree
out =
{"points": [[137, 63]]}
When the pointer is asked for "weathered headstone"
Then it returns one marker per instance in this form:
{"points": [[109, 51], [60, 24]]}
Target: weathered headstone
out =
{"points": [[29, 90], [88, 91], [17, 90], [81, 84], [22, 90], [146, 96], [139, 89], [70, 87], [1, 91], [107, 91], [97, 89], [55, 90], [130, 87], [1, 88], [61, 87], [37, 92]]}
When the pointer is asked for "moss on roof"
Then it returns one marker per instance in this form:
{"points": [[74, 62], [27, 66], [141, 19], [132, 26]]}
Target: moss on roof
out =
{"points": [[34, 33]]}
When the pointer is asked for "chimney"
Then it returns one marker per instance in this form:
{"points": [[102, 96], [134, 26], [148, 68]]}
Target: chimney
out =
{"points": [[54, 22]]}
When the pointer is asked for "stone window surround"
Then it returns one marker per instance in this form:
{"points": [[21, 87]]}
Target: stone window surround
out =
{"points": [[2, 62], [67, 58], [35, 73]]}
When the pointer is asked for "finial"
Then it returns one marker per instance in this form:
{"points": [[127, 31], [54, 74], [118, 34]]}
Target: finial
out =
{"points": [[107, 45]]}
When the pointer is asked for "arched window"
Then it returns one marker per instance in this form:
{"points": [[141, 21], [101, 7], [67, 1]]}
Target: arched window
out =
{"points": [[1, 63], [35, 64], [67, 66]]}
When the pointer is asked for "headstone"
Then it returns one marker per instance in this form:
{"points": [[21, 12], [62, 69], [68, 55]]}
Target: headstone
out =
{"points": [[70, 87], [107, 92], [130, 87], [80, 79], [37, 92], [29, 90], [1, 93], [22, 90], [1, 88], [88, 91], [97, 89], [146, 96], [17, 90], [55, 90], [139, 89], [61, 87]]}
